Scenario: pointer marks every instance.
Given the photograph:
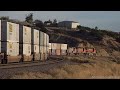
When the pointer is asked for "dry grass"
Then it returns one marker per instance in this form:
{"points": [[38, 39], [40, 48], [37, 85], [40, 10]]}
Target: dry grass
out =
{"points": [[78, 59], [101, 69], [87, 71], [31, 75]]}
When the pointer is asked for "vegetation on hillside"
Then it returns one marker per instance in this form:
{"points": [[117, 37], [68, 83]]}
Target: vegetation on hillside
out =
{"points": [[4, 18], [29, 18], [99, 33]]}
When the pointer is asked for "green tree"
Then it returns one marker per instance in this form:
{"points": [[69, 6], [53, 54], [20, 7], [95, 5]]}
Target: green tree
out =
{"points": [[54, 21], [50, 21], [4, 18], [38, 23], [29, 18], [78, 26], [96, 28]]}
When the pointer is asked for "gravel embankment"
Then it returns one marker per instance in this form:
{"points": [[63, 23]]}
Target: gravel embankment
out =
{"points": [[7, 73]]}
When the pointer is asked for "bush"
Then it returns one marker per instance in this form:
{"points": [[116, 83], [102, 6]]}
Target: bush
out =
{"points": [[97, 33]]}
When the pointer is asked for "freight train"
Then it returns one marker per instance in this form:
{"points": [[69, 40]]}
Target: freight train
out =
{"points": [[22, 43]]}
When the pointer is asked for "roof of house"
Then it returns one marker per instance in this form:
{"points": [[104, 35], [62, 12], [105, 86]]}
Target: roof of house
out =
{"points": [[70, 21]]}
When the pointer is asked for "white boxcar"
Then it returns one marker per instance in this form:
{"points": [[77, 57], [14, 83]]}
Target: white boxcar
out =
{"points": [[25, 49], [0, 46], [41, 38], [63, 46], [47, 40], [53, 45], [50, 46], [10, 48], [25, 35], [17, 32], [45, 49], [35, 36], [35, 49], [41, 49], [9, 31], [0, 30]]}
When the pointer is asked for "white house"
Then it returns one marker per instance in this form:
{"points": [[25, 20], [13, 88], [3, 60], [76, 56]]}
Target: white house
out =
{"points": [[69, 24]]}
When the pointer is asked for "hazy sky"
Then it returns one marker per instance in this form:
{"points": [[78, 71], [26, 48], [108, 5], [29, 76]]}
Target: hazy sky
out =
{"points": [[109, 20]]}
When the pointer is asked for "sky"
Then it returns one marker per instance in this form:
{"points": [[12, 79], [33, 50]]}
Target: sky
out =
{"points": [[107, 20]]}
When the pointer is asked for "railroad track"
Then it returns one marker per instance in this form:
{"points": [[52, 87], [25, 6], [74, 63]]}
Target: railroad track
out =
{"points": [[28, 64]]}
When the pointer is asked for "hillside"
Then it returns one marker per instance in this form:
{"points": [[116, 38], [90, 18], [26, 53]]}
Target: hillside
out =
{"points": [[106, 42]]}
